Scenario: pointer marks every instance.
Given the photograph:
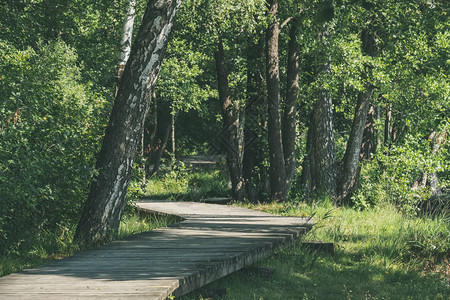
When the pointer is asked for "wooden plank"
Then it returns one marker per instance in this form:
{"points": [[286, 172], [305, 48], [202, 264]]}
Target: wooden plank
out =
{"points": [[212, 241]]}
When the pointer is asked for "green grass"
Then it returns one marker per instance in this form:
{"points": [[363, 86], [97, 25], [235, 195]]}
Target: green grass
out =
{"points": [[49, 246], [136, 223], [186, 185], [380, 254]]}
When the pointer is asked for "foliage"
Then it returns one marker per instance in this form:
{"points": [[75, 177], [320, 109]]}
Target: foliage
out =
{"points": [[58, 62], [90, 26], [391, 175], [50, 130]]}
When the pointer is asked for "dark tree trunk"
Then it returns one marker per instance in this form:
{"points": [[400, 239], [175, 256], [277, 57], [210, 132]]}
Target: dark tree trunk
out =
{"points": [[255, 115], [152, 135], [160, 137], [351, 168], [161, 145], [155, 117], [368, 143], [232, 140], [103, 210], [362, 133], [375, 130], [290, 109], [276, 156]]}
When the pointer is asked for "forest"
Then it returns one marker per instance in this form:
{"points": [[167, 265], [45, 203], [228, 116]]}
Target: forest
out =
{"points": [[314, 106]]}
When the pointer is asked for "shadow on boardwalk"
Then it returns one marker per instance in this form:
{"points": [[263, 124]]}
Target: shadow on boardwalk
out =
{"points": [[212, 241]]}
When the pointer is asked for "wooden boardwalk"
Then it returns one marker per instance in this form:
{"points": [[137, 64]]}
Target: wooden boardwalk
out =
{"points": [[212, 241]]}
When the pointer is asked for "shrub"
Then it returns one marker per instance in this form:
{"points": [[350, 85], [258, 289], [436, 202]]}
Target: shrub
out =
{"points": [[49, 131], [391, 175]]}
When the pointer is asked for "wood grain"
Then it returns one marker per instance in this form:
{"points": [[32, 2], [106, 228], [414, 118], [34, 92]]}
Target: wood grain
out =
{"points": [[212, 241]]}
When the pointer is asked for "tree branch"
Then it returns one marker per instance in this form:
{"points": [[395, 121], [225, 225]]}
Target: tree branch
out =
{"points": [[285, 22]]}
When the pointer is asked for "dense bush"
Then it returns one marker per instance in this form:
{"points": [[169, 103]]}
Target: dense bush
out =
{"points": [[396, 170], [49, 130]]}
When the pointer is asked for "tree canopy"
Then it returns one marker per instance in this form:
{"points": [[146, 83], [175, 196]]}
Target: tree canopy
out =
{"points": [[369, 79]]}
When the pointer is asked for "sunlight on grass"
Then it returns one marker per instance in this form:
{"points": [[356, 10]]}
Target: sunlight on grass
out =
{"points": [[376, 257], [186, 185], [133, 224]]}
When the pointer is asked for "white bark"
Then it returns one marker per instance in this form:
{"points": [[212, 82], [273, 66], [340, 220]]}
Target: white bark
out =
{"points": [[101, 215], [125, 44]]}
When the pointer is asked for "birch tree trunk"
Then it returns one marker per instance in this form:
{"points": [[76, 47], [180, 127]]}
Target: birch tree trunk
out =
{"points": [[276, 156], [103, 210], [125, 43], [172, 131]]}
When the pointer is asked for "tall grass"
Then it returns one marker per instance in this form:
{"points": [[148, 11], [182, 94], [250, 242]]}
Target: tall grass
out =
{"points": [[187, 185], [136, 223], [380, 254]]}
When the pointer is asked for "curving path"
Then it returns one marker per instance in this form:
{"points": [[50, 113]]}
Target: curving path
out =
{"points": [[212, 241]]}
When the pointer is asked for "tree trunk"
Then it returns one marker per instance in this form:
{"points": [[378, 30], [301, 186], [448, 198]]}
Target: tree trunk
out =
{"points": [[103, 209], [435, 142], [230, 133], [290, 109], [388, 125], [172, 131], [362, 134], [350, 172], [163, 122], [125, 44], [375, 131], [255, 111], [368, 143], [155, 117], [152, 135], [160, 147], [325, 168], [276, 156], [308, 162]]}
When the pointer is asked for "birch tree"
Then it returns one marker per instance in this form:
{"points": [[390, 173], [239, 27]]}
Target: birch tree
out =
{"points": [[102, 212], [125, 43]]}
